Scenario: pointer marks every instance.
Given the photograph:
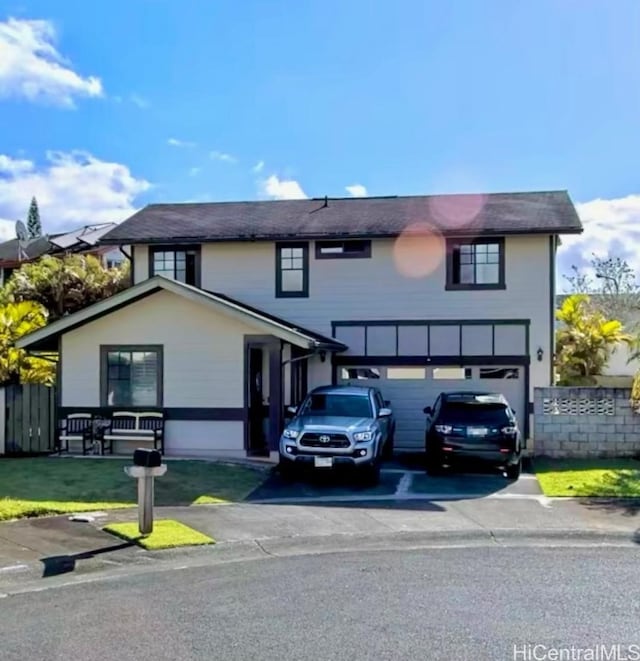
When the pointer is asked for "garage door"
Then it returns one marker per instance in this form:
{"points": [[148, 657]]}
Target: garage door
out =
{"points": [[410, 389]]}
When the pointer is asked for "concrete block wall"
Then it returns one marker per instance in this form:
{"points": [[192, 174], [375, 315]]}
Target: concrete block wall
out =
{"points": [[585, 422]]}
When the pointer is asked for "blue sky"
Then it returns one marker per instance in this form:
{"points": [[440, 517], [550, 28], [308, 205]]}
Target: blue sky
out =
{"points": [[106, 106]]}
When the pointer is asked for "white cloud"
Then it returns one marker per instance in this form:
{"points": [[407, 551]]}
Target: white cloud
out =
{"points": [[222, 156], [12, 166], [175, 142], [73, 189], [139, 101], [194, 171], [258, 167], [282, 189], [31, 66], [611, 228], [356, 190]]}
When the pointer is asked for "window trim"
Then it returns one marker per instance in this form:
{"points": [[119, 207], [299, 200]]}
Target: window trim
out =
{"points": [[105, 349], [176, 247], [452, 286], [304, 293], [365, 253]]}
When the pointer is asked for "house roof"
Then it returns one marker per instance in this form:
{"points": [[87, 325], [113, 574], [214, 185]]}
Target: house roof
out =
{"points": [[549, 212], [10, 250], [79, 240], [46, 338]]}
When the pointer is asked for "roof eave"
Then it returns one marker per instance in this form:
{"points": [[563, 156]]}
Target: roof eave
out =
{"points": [[317, 236]]}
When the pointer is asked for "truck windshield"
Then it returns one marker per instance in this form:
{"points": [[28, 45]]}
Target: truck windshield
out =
{"points": [[347, 406]]}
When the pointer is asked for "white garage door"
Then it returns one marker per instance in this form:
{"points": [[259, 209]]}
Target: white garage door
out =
{"points": [[410, 389]]}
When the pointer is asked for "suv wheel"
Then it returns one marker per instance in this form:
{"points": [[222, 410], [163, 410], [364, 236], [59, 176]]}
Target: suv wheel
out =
{"points": [[433, 463], [513, 470]]}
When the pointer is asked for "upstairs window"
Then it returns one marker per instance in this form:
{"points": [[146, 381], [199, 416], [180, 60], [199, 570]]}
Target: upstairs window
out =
{"points": [[177, 263], [475, 264], [292, 270], [350, 249]]}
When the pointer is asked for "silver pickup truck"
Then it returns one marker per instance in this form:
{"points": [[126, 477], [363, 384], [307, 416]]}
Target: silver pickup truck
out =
{"points": [[339, 426]]}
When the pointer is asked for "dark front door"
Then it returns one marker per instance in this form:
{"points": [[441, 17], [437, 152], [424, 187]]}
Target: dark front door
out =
{"points": [[257, 440]]}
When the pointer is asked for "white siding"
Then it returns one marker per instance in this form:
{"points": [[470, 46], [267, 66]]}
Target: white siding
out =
{"points": [[140, 269], [361, 289], [203, 364]]}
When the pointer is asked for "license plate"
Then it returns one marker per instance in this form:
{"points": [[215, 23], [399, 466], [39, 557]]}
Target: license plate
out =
{"points": [[323, 462], [477, 431]]}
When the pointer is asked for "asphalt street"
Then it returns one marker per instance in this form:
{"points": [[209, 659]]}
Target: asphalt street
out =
{"points": [[440, 603]]}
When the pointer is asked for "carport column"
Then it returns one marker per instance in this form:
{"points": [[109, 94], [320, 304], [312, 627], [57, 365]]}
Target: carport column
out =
{"points": [[275, 394]]}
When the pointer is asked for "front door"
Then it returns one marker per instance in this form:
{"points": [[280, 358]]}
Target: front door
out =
{"points": [[257, 440]]}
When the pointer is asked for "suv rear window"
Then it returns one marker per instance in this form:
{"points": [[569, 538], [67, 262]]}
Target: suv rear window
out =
{"points": [[347, 406], [464, 413]]}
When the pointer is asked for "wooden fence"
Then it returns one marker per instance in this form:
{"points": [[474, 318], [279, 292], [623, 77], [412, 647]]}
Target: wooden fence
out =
{"points": [[27, 419]]}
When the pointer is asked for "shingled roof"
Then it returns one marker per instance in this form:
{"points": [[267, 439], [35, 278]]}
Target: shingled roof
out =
{"points": [[550, 212]]}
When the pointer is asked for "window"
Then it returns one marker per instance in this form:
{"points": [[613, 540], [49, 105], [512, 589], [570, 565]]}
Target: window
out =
{"points": [[475, 264], [406, 372], [360, 373], [131, 376], [470, 413], [345, 406], [181, 264], [499, 373], [360, 249], [292, 270], [452, 373]]}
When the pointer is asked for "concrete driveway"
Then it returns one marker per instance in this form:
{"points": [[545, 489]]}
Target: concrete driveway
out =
{"points": [[400, 480]]}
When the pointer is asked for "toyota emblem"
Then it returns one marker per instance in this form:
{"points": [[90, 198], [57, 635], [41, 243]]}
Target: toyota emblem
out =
{"points": [[325, 439]]}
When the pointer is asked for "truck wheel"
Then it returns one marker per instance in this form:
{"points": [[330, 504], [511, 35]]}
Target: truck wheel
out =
{"points": [[371, 474], [287, 469]]}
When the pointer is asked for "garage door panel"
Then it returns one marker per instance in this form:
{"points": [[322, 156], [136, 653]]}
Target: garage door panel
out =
{"points": [[409, 396]]}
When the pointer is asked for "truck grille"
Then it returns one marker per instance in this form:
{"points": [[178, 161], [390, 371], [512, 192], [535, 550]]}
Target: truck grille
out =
{"points": [[335, 441]]}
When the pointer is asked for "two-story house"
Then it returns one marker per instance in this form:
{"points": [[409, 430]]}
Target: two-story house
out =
{"points": [[237, 309]]}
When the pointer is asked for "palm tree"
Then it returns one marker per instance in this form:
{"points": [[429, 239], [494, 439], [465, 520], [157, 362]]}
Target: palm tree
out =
{"points": [[16, 320], [584, 341]]}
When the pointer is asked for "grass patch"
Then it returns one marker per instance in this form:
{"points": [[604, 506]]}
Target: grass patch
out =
{"points": [[617, 478], [40, 486], [167, 534]]}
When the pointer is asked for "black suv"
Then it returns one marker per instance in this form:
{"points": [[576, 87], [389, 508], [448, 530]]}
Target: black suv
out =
{"points": [[479, 426]]}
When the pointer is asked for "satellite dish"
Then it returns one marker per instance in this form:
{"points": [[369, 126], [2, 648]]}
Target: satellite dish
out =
{"points": [[21, 231]]}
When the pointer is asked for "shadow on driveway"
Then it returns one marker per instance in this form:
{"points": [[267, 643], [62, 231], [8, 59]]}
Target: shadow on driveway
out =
{"points": [[401, 480]]}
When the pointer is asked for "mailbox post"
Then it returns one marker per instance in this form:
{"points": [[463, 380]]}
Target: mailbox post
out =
{"points": [[147, 465]]}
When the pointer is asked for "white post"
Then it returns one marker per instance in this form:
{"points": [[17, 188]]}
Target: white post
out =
{"points": [[145, 504], [145, 477]]}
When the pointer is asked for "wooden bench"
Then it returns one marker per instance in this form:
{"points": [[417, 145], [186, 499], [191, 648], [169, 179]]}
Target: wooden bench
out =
{"points": [[145, 426], [75, 427]]}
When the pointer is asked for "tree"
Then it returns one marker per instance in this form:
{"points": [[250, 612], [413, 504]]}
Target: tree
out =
{"points": [[613, 289], [64, 285], [34, 226], [584, 341], [16, 320]]}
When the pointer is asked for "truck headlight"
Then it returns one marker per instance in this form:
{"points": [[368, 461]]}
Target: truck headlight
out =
{"points": [[363, 436], [291, 433]]}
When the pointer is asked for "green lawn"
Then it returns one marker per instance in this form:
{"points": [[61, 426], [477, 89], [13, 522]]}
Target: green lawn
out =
{"points": [[589, 477], [39, 486], [167, 534]]}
